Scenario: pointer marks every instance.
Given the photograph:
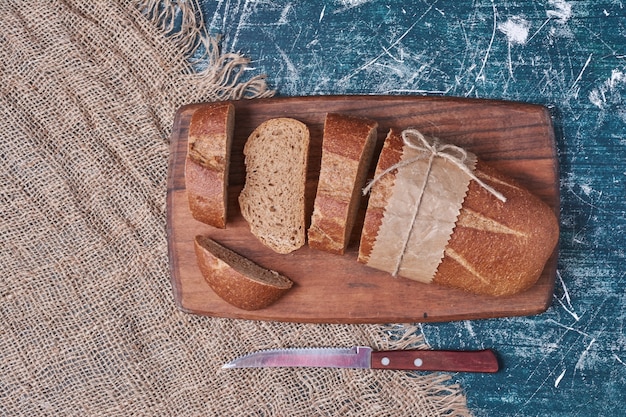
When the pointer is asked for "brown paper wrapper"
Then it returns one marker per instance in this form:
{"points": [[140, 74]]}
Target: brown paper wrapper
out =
{"points": [[420, 215]]}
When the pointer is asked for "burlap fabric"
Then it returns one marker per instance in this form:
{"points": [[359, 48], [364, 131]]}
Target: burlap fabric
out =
{"points": [[88, 324]]}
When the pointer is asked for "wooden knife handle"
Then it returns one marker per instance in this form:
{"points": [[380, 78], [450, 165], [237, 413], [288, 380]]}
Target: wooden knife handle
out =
{"points": [[436, 360]]}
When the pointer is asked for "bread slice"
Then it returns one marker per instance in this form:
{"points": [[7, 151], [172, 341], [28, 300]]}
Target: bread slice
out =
{"points": [[207, 163], [273, 197], [347, 150], [495, 248], [236, 279]]}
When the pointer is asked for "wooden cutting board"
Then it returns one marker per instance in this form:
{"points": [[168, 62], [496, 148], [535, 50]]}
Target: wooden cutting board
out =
{"points": [[516, 138]]}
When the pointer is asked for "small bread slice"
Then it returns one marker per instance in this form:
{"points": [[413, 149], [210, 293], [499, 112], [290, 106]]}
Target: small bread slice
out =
{"points": [[237, 280], [207, 163], [347, 150], [273, 198]]}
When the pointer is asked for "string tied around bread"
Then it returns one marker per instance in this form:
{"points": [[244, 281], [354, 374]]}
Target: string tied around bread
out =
{"points": [[416, 140], [428, 149]]}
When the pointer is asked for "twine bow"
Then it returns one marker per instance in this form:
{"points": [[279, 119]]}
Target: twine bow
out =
{"points": [[458, 156]]}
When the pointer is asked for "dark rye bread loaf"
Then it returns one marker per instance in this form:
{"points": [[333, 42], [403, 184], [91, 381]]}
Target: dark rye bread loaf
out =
{"points": [[273, 198], [236, 279], [207, 163], [496, 248], [347, 149]]}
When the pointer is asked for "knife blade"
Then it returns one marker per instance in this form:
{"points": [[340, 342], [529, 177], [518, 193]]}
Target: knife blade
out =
{"points": [[365, 357]]}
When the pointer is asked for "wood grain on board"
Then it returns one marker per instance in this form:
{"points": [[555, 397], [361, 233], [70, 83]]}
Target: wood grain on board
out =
{"points": [[516, 138]]}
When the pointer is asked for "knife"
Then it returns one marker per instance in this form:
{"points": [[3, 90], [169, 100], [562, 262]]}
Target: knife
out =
{"points": [[365, 357]]}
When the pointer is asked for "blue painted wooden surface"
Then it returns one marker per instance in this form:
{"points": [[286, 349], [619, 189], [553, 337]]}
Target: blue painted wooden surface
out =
{"points": [[568, 55]]}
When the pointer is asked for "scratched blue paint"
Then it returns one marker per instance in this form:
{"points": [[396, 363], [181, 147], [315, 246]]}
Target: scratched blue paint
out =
{"points": [[567, 55]]}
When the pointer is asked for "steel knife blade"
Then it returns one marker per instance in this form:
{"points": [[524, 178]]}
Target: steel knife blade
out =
{"points": [[365, 357]]}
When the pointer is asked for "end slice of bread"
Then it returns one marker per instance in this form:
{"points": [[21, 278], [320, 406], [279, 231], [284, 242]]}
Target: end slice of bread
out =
{"points": [[347, 150], [273, 198], [236, 279], [207, 163]]}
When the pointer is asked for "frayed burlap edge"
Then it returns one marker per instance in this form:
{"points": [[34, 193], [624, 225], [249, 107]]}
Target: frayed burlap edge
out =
{"points": [[219, 75]]}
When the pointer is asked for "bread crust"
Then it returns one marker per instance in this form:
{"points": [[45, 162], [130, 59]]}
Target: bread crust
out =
{"points": [[496, 248], [347, 150], [236, 279], [390, 155], [207, 162]]}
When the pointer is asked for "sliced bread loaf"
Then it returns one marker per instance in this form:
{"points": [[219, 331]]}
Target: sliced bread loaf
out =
{"points": [[496, 248], [207, 162], [236, 279], [273, 198], [347, 149]]}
